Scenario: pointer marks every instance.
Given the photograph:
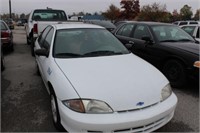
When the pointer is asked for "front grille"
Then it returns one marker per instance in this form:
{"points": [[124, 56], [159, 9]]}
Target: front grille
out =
{"points": [[131, 110], [144, 128]]}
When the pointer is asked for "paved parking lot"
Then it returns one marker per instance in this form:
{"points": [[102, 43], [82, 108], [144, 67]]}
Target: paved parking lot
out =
{"points": [[25, 104]]}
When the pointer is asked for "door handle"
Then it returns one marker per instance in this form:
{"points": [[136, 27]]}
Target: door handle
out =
{"points": [[131, 42]]}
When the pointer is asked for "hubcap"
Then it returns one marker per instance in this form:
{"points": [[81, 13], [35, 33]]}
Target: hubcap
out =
{"points": [[53, 108]]}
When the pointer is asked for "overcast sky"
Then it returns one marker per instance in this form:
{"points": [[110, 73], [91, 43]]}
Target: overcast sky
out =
{"points": [[91, 6]]}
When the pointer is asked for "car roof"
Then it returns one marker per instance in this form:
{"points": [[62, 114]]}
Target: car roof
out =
{"points": [[190, 25], [149, 23], [76, 25]]}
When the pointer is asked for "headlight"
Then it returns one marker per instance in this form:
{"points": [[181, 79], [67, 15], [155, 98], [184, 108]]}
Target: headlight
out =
{"points": [[166, 92], [88, 106], [196, 64]]}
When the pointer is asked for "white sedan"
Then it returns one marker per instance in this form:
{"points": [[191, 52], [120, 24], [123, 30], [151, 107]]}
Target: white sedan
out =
{"points": [[97, 85]]}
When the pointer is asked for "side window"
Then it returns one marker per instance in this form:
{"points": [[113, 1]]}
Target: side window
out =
{"points": [[43, 35], [47, 41], [125, 30], [183, 23], [189, 29], [193, 23], [197, 36], [141, 31]]}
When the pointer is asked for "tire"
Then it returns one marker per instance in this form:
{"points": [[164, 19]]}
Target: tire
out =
{"points": [[55, 112], [28, 41], [32, 47], [175, 72], [2, 64], [37, 69]]}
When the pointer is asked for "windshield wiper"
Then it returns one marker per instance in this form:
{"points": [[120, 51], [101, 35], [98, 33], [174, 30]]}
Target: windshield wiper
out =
{"points": [[101, 53], [169, 41], [185, 40], [63, 55]]}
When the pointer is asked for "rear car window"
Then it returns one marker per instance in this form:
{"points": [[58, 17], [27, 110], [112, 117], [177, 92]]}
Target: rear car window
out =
{"points": [[3, 26], [49, 15]]}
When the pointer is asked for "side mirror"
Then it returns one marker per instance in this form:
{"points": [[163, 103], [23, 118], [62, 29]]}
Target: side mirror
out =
{"points": [[147, 39], [11, 27], [41, 52]]}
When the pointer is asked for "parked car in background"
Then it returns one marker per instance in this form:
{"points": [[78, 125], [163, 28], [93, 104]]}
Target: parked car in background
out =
{"points": [[38, 20], [120, 22], [179, 23], [10, 23], [193, 30], [21, 22], [106, 24], [166, 46], [97, 85], [6, 36]]}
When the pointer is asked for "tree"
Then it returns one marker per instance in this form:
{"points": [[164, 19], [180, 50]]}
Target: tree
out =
{"points": [[130, 9], [22, 15], [197, 15], [112, 13], [154, 12], [186, 13], [175, 16]]}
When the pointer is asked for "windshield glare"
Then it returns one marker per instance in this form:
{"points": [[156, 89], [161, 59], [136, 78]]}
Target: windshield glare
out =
{"points": [[173, 33], [86, 42]]}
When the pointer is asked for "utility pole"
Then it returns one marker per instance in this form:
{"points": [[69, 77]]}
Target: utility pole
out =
{"points": [[10, 9]]}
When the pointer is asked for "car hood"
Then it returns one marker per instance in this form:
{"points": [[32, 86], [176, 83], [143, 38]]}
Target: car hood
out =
{"points": [[122, 81], [186, 46]]}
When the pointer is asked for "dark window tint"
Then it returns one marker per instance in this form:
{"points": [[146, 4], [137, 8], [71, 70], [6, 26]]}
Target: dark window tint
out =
{"points": [[198, 33], [125, 30], [176, 23], [43, 35], [183, 23], [48, 39], [193, 23], [141, 31], [49, 15]]}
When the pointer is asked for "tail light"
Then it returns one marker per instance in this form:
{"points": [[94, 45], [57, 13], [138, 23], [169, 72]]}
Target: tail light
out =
{"points": [[35, 28], [5, 34]]}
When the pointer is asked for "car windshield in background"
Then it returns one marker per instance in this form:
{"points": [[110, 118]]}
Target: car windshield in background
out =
{"points": [[75, 43], [189, 29], [49, 15], [171, 34], [3, 26]]}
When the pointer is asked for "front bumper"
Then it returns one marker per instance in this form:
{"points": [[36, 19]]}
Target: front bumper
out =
{"points": [[144, 120]]}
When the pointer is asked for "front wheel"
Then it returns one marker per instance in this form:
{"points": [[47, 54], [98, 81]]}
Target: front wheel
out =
{"points": [[175, 72], [55, 112]]}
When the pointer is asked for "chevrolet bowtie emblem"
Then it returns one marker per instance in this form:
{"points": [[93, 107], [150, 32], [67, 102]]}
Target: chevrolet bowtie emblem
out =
{"points": [[140, 104]]}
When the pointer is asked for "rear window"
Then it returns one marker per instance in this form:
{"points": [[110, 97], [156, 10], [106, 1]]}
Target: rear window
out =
{"points": [[3, 26], [49, 15]]}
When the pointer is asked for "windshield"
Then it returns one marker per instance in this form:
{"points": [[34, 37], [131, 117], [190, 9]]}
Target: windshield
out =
{"points": [[49, 15], [75, 43], [169, 33]]}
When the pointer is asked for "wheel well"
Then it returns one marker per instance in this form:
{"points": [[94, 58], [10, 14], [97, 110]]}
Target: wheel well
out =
{"points": [[172, 58], [51, 90]]}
